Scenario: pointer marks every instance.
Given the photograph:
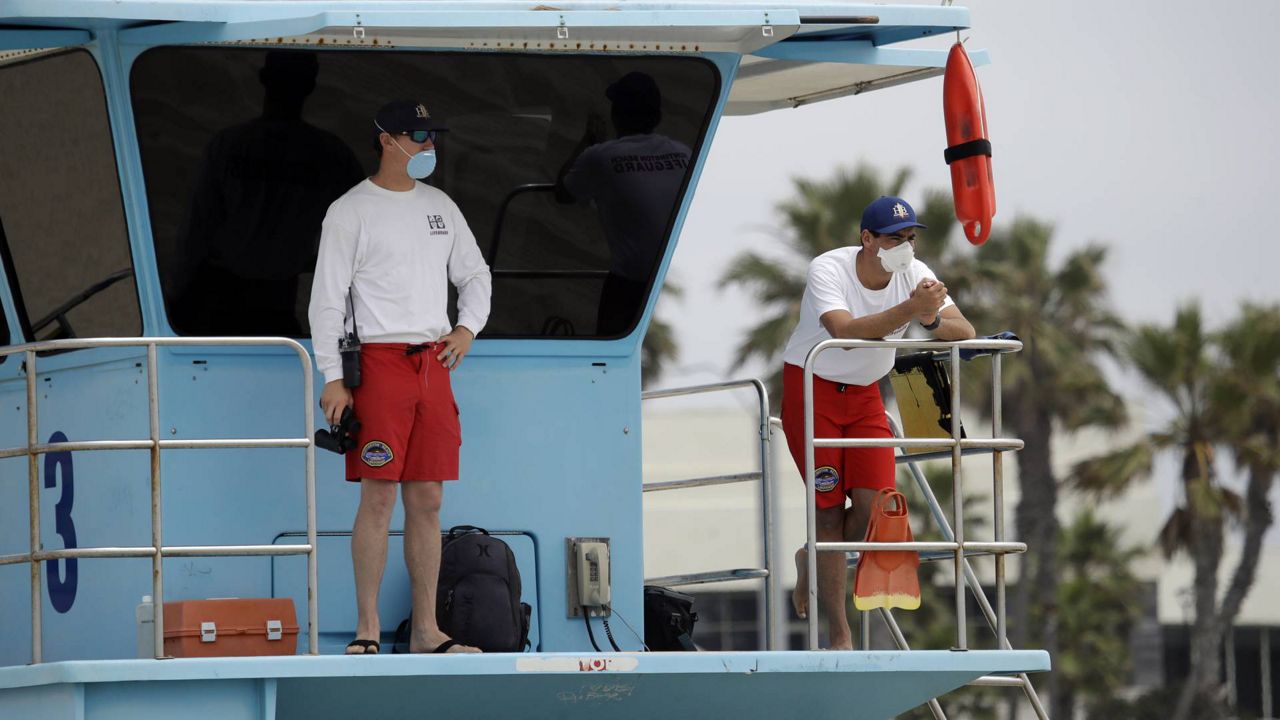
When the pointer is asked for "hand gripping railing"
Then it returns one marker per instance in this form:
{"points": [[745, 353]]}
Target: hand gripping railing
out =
{"points": [[158, 551], [772, 615], [957, 545]]}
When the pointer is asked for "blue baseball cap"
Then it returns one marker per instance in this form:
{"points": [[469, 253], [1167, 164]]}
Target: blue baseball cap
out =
{"points": [[888, 214]]}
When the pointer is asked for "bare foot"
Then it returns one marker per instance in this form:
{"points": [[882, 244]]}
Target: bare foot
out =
{"points": [[440, 644], [800, 596]]}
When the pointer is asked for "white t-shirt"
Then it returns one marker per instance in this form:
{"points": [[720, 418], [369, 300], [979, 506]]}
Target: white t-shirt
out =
{"points": [[397, 252], [833, 285], [634, 182]]}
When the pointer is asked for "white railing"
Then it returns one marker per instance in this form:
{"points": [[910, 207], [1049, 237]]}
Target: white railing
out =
{"points": [[773, 619], [157, 551], [954, 536], [958, 545]]}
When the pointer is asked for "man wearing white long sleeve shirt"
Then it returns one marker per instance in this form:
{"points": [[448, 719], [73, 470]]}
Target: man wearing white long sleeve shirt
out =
{"points": [[389, 248]]}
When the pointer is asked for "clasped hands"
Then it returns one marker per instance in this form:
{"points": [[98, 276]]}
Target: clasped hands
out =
{"points": [[927, 299]]}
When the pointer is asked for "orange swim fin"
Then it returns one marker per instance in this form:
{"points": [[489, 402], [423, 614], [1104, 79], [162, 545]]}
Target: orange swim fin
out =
{"points": [[888, 578]]}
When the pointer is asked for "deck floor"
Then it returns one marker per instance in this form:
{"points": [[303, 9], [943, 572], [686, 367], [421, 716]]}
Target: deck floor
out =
{"points": [[848, 685]]}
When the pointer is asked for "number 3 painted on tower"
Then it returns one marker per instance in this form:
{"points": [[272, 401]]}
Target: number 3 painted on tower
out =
{"points": [[62, 590]]}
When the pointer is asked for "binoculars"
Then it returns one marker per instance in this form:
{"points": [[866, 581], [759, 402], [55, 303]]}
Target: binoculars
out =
{"points": [[341, 437]]}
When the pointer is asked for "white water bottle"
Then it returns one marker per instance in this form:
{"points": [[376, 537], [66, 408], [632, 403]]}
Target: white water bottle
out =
{"points": [[146, 614]]}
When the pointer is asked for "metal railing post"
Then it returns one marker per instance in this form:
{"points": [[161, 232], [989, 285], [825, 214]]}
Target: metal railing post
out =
{"points": [[157, 515], [957, 500], [811, 504], [997, 498], [313, 564], [767, 520], [33, 508]]}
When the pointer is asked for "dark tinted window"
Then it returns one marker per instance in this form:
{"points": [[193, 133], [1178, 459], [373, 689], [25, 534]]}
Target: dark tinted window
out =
{"points": [[240, 169], [62, 227]]}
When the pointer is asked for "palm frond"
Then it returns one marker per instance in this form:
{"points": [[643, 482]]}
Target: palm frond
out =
{"points": [[1109, 474], [767, 339]]}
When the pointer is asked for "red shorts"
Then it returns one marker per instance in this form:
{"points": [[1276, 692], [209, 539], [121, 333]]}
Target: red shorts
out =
{"points": [[409, 427], [839, 411]]}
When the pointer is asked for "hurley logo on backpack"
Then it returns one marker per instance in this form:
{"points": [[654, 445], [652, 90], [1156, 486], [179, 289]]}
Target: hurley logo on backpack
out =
{"points": [[478, 595]]}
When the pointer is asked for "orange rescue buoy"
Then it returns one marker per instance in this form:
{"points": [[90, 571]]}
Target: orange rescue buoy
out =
{"points": [[968, 147]]}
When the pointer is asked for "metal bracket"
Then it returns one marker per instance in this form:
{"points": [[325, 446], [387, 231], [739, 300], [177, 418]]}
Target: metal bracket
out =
{"points": [[562, 33]]}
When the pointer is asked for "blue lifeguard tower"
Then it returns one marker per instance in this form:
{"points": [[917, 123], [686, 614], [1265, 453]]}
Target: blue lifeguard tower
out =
{"points": [[160, 190]]}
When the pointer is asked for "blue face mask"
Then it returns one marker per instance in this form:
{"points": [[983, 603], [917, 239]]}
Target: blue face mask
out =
{"points": [[421, 164]]}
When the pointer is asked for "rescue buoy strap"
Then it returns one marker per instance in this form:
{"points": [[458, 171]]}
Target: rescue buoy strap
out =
{"points": [[969, 149]]}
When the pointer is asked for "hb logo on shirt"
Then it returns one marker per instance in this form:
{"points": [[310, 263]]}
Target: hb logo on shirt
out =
{"points": [[436, 223]]}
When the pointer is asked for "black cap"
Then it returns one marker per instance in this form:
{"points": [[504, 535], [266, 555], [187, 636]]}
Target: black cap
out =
{"points": [[635, 93], [400, 116]]}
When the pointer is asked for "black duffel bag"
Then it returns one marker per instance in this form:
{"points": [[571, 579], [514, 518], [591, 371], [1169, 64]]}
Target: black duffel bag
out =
{"points": [[668, 619]]}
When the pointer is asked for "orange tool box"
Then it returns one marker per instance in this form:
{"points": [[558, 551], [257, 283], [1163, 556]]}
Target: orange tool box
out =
{"points": [[230, 627]]}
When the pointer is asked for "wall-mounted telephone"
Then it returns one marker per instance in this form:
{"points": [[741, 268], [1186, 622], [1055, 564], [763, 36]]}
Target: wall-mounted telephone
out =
{"points": [[593, 573]]}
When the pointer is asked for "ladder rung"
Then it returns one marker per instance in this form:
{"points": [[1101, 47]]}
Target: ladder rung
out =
{"points": [[708, 577], [700, 482], [940, 455], [928, 556]]}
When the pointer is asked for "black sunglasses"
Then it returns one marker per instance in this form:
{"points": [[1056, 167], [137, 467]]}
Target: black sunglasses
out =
{"points": [[421, 136]]}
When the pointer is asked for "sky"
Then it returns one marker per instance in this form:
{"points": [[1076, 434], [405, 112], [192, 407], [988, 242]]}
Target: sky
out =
{"points": [[1145, 126]]}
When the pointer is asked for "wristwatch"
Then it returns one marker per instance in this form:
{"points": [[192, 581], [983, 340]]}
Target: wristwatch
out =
{"points": [[937, 320]]}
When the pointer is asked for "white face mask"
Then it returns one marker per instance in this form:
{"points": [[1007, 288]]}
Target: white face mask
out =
{"points": [[897, 259]]}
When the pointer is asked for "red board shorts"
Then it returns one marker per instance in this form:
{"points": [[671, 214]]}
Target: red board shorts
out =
{"points": [[839, 411], [409, 427]]}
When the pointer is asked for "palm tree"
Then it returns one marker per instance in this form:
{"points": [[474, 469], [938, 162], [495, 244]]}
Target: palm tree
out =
{"points": [[1247, 398], [1055, 383], [659, 348], [822, 215], [1096, 612], [1178, 363]]}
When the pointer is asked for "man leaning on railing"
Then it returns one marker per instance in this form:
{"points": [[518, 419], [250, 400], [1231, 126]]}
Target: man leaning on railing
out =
{"points": [[872, 290]]}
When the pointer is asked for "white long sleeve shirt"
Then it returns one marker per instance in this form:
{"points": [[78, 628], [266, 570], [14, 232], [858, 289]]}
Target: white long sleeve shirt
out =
{"points": [[396, 252]]}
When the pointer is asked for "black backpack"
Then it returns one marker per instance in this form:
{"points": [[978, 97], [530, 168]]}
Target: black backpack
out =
{"points": [[478, 596], [668, 619]]}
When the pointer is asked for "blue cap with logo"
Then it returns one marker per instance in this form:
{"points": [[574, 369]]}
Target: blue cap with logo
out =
{"points": [[889, 214]]}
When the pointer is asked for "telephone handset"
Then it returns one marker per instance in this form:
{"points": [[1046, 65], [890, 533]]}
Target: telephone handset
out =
{"points": [[593, 574]]}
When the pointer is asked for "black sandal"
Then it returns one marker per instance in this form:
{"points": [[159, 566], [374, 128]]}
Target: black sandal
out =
{"points": [[443, 647], [368, 647]]}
